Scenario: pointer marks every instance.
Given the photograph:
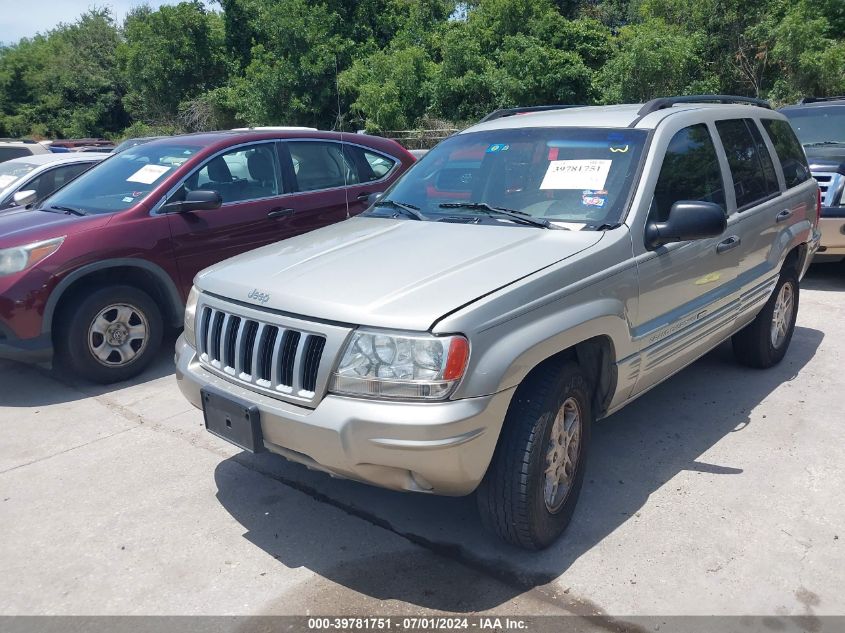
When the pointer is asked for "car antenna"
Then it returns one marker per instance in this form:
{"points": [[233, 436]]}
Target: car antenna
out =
{"points": [[339, 121]]}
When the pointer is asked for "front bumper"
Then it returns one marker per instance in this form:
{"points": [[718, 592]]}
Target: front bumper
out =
{"points": [[439, 447], [29, 350]]}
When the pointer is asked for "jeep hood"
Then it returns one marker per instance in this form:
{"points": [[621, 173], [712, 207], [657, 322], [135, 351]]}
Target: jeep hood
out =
{"points": [[392, 273]]}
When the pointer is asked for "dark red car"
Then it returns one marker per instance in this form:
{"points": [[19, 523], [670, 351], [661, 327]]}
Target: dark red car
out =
{"points": [[99, 268]]}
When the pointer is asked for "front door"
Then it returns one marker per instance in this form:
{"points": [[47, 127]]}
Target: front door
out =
{"points": [[688, 297], [255, 209]]}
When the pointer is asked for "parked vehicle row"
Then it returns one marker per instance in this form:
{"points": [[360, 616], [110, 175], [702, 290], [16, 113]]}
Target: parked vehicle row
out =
{"points": [[451, 329]]}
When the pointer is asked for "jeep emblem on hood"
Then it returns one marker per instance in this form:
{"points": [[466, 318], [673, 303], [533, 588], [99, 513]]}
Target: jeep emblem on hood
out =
{"points": [[260, 297]]}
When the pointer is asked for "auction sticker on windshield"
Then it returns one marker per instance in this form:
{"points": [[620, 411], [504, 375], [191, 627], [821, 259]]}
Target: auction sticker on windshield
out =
{"points": [[576, 174], [148, 174]]}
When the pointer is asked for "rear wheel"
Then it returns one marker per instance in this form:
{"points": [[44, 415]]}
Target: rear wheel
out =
{"points": [[111, 334], [764, 341], [532, 485]]}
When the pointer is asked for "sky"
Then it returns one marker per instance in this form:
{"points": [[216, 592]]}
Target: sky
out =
{"points": [[25, 18]]}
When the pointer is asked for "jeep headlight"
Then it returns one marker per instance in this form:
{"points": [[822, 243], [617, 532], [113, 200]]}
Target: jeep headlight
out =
{"points": [[18, 258], [191, 317], [399, 366]]}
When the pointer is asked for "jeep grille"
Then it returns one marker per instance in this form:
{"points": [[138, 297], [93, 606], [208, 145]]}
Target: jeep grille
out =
{"points": [[283, 360]]}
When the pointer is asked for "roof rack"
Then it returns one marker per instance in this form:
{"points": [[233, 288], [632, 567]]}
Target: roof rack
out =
{"points": [[807, 100], [662, 103], [498, 114]]}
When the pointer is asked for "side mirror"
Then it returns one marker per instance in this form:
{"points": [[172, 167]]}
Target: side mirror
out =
{"points": [[24, 198], [199, 200], [688, 220], [373, 198]]}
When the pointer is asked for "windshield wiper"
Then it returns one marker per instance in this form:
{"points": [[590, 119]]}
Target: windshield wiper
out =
{"points": [[68, 210], [820, 143], [408, 209], [518, 216]]}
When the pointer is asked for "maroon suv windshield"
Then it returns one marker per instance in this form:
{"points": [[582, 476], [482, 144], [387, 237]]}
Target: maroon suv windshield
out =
{"points": [[123, 179]]}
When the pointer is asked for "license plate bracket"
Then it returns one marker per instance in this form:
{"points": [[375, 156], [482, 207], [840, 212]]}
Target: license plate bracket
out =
{"points": [[233, 419]]}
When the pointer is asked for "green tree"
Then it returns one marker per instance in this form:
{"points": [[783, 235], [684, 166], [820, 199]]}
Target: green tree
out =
{"points": [[171, 56]]}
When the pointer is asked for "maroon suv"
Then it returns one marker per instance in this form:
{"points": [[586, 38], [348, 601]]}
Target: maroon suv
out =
{"points": [[98, 269]]}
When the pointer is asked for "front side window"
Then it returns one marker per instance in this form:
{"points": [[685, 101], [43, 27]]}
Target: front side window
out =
{"points": [[578, 176], [789, 151], [746, 162], [690, 171], [122, 180], [243, 173], [321, 165]]}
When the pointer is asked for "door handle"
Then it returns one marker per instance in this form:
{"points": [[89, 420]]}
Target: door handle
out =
{"points": [[363, 197], [280, 213], [725, 245], [783, 215]]}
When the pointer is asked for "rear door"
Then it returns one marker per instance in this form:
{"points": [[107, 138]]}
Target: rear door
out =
{"points": [[254, 210], [688, 298], [321, 174], [761, 211]]}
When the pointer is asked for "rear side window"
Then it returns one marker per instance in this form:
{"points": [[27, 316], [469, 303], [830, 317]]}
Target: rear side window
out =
{"points": [[380, 165], [690, 171], [321, 165], [789, 151], [747, 161]]}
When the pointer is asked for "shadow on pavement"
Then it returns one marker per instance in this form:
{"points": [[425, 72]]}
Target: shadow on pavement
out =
{"points": [[634, 453], [827, 276], [28, 386]]}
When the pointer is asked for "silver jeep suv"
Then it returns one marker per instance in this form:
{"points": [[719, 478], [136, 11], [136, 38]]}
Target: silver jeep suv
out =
{"points": [[528, 276]]}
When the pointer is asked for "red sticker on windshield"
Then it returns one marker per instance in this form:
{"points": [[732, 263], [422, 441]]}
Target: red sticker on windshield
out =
{"points": [[553, 151]]}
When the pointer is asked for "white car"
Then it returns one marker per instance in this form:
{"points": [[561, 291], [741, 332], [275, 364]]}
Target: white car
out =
{"points": [[30, 178]]}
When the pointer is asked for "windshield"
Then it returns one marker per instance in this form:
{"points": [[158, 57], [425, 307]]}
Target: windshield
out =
{"points": [[574, 177], [13, 171], [818, 124], [122, 180]]}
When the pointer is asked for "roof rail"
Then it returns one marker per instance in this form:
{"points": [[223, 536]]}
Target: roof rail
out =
{"points": [[662, 103], [807, 100], [498, 114]]}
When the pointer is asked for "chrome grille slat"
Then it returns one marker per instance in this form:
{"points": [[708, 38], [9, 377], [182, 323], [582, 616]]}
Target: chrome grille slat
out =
{"points": [[283, 360]]}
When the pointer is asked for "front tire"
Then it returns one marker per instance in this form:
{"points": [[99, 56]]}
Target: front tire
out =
{"points": [[532, 484], [763, 342], [110, 335]]}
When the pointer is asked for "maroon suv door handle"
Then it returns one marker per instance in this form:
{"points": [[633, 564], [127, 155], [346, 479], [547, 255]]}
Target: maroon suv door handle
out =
{"points": [[364, 196], [280, 213]]}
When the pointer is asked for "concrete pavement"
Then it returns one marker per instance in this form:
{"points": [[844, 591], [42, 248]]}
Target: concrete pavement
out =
{"points": [[717, 493]]}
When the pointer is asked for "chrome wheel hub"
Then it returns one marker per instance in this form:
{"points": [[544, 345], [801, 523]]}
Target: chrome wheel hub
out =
{"points": [[562, 456], [118, 334], [782, 315]]}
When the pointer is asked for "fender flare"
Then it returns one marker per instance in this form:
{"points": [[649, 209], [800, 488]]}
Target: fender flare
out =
{"points": [[175, 306]]}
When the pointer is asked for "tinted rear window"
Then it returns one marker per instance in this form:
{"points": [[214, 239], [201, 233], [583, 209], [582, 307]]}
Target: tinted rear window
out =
{"points": [[789, 151], [746, 160], [8, 153]]}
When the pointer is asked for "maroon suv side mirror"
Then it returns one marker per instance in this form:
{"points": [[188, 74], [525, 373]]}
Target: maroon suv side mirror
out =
{"points": [[199, 200]]}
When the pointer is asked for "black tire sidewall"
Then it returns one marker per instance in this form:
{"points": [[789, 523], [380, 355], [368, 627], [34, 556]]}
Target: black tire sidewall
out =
{"points": [[772, 354], [73, 335], [547, 527]]}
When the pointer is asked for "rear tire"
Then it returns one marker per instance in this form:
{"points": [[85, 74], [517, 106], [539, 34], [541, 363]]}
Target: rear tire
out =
{"points": [[109, 335], [763, 342], [518, 498]]}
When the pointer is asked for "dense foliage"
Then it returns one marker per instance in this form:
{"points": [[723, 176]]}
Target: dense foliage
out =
{"points": [[388, 64]]}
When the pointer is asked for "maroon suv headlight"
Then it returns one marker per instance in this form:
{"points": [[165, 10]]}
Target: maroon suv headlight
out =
{"points": [[18, 258]]}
